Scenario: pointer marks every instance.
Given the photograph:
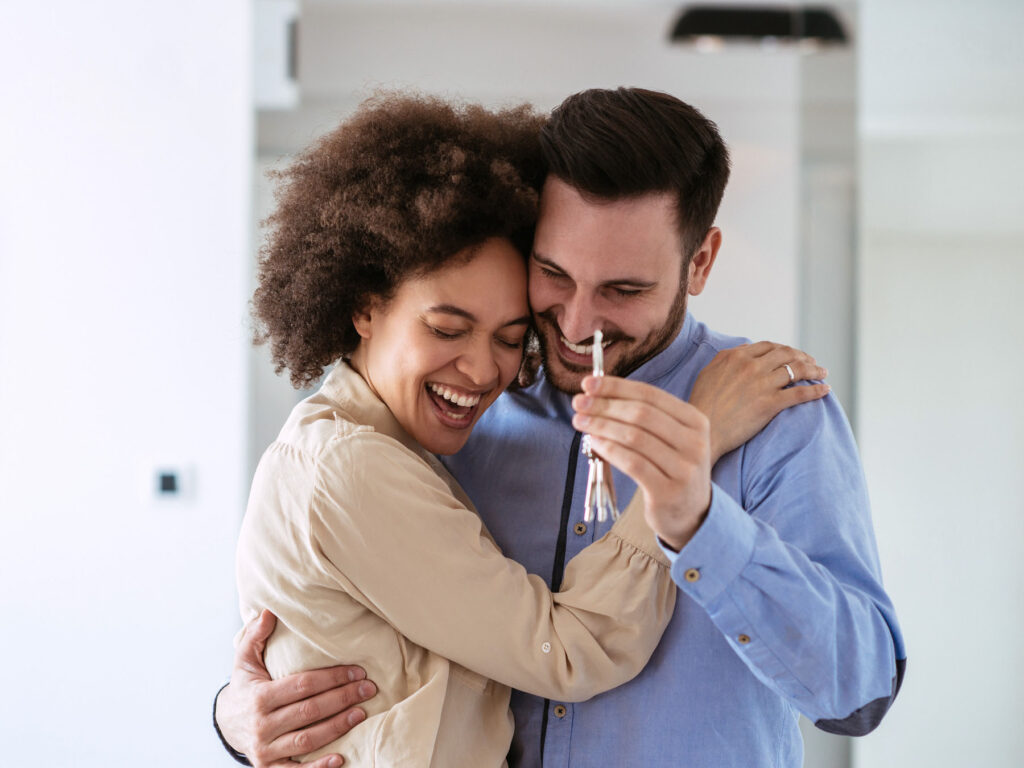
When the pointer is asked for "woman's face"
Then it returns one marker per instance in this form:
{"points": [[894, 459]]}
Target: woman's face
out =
{"points": [[447, 344]]}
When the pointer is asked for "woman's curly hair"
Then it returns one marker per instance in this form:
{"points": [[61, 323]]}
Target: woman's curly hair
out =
{"points": [[397, 190]]}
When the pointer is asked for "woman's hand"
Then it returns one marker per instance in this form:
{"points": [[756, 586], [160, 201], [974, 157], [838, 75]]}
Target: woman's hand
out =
{"points": [[271, 721], [745, 387]]}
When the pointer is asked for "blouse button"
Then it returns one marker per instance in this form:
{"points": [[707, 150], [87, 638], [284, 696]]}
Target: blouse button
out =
{"points": [[546, 647], [692, 575], [560, 711], [743, 639], [579, 529]]}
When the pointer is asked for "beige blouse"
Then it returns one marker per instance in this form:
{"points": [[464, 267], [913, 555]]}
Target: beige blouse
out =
{"points": [[369, 553]]}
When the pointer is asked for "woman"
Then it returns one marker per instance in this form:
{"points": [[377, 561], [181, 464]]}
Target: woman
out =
{"points": [[398, 246]]}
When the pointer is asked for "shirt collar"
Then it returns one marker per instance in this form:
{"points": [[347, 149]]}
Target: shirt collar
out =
{"points": [[670, 358], [362, 405]]}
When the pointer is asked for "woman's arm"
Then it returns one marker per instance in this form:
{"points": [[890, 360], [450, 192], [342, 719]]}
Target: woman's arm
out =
{"points": [[405, 546], [396, 538], [745, 387]]}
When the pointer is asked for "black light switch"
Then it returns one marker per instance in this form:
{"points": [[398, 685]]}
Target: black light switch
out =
{"points": [[168, 482]]}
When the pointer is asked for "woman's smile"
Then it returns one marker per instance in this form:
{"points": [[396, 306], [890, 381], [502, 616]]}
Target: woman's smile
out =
{"points": [[455, 408]]}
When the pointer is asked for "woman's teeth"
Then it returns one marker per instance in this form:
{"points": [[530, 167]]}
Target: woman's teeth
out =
{"points": [[466, 401], [583, 349]]}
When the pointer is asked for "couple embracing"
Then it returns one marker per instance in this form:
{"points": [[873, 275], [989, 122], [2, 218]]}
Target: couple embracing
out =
{"points": [[420, 518]]}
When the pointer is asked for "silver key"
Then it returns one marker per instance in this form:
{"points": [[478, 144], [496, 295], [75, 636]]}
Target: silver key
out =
{"points": [[600, 495]]}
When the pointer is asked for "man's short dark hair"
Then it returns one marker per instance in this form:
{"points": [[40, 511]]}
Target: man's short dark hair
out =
{"points": [[622, 143]]}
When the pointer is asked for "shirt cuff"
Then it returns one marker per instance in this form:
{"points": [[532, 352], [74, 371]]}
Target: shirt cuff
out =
{"points": [[633, 529], [718, 552], [238, 756]]}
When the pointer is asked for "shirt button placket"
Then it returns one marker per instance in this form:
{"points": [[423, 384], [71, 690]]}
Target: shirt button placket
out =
{"points": [[558, 741]]}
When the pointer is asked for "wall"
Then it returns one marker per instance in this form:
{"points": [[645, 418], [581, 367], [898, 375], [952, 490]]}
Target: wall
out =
{"points": [[124, 221], [941, 334]]}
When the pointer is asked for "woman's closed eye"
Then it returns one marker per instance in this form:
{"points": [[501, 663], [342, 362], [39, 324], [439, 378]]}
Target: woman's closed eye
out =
{"points": [[445, 333], [511, 343]]}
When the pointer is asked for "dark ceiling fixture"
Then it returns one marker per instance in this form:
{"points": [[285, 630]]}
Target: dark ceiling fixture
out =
{"points": [[758, 23]]}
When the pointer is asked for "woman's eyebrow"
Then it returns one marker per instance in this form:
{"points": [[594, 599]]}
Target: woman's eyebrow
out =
{"points": [[451, 309]]}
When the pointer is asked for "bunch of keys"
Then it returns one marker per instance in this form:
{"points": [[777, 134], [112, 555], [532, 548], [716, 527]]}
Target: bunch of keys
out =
{"points": [[600, 496]]}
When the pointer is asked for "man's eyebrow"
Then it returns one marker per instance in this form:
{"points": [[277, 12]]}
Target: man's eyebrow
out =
{"points": [[632, 282], [451, 309]]}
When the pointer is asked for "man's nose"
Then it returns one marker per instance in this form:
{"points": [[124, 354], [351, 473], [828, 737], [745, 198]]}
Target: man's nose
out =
{"points": [[579, 320]]}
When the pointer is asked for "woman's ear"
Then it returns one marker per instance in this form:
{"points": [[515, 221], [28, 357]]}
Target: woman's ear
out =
{"points": [[362, 318]]}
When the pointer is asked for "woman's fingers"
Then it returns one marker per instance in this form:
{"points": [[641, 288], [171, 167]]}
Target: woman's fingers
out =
{"points": [[804, 366], [787, 398], [802, 371]]}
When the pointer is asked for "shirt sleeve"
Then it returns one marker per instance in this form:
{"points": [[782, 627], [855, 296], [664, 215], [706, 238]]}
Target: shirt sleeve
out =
{"points": [[790, 573], [401, 543]]}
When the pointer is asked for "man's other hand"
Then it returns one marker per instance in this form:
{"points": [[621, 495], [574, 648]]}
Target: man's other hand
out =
{"points": [[272, 721]]}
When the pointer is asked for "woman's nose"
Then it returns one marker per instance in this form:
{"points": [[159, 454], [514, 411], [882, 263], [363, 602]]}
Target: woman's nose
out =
{"points": [[479, 366]]}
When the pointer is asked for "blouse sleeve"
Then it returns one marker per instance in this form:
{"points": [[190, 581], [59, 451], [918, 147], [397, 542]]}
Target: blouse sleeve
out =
{"points": [[402, 544]]}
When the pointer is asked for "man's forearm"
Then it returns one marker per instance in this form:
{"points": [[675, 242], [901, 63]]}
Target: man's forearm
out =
{"points": [[792, 581]]}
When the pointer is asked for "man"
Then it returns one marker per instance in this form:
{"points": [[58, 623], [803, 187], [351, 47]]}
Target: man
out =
{"points": [[780, 607]]}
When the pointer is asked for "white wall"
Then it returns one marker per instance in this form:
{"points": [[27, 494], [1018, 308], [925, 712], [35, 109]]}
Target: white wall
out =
{"points": [[124, 223], [942, 330]]}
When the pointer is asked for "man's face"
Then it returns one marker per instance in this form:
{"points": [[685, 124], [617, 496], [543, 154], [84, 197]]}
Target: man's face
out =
{"points": [[609, 265]]}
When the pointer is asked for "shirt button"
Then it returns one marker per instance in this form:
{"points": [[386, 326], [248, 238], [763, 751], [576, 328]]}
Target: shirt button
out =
{"points": [[692, 575], [546, 647], [579, 529], [559, 711], [743, 639]]}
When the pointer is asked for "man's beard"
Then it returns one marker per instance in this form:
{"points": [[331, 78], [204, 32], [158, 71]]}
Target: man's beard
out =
{"points": [[566, 378]]}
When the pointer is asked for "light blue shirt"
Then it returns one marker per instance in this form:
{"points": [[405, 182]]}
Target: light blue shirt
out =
{"points": [[783, 610]]}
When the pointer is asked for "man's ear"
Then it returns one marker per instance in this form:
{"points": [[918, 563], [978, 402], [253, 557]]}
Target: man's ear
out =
{"points": [[702, 261]]}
